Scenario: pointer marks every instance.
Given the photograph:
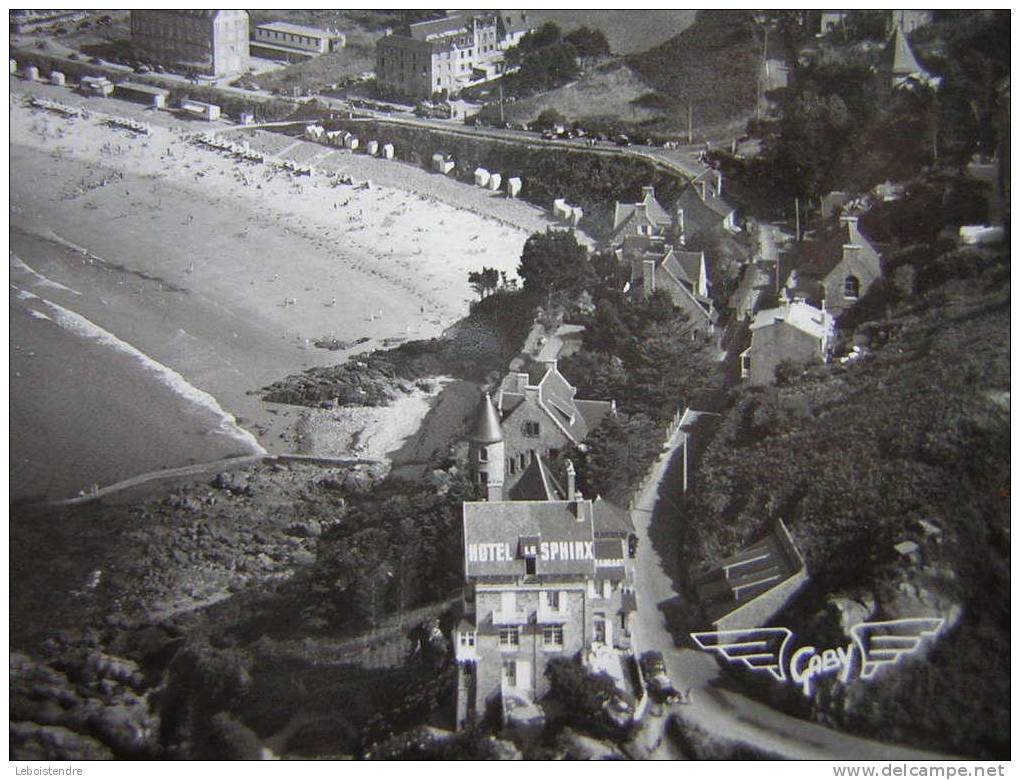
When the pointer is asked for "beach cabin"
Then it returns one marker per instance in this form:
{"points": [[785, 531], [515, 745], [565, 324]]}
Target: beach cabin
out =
{"points": [[495, 180], [387, 151], [154, 97], [31, 73], [372, 148], [513, 187], [57, 78], [351, 142], [96, 86], [442, 163], [481, 177], [208, 111], [576, 215], [14, 66], [314, 132]]}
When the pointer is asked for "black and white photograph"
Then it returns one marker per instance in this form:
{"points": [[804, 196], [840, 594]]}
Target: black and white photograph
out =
{"points": [[541, 384]]}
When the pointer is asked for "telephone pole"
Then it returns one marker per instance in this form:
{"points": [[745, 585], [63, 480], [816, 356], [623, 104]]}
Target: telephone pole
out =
{"points": [[690, 123]]}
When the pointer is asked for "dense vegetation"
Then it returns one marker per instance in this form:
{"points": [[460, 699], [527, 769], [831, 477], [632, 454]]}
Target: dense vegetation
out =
{"points": [[838, 125], [908, 444]]}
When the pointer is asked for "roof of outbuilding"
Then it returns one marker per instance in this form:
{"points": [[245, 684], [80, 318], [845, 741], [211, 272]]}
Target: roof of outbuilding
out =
{"points": [[610, 519]]}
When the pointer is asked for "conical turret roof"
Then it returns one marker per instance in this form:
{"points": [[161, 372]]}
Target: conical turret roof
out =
{"points": [[903, 60], [487, 429]]}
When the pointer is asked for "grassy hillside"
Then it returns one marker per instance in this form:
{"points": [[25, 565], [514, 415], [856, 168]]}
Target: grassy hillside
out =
{"points": [[712, 64], [627, 31], [909, 444]]}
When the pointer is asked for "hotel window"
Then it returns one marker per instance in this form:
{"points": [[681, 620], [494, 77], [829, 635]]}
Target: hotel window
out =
{"points": [[510, 673], [552, 636], [483, 477], [483, 454], [467, 639], [509, 637], [523, 463], [552, 599], [529, 566]]}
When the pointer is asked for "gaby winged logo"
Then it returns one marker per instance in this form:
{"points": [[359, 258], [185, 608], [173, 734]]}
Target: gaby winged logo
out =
{"points": [[872, 646]]}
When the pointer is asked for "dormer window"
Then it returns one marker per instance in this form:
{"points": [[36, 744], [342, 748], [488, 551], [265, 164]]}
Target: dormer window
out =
{"points": [[483, 454], [531, 429]]}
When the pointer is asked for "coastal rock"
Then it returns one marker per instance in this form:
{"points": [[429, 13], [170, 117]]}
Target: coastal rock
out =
{"points": [[33, 742], [305, 529], [852, 610]]}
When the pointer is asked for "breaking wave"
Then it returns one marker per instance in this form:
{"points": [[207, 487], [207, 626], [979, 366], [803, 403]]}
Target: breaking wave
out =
{"points": [[85, 328]]}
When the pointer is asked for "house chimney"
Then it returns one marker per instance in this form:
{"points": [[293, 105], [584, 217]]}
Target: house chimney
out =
{"points": [[648, 269], [648, 192], [681, 231], [701, 188], [571, 481], [851, 228], [718, 184]]}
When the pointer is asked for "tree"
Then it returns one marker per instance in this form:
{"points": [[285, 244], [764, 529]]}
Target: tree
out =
{"points": [[486, 281], [589, 43], [553, 263], [548, 119]]}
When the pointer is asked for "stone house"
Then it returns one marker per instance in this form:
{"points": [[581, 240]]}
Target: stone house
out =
{"points": [[644, 219], [535, 415], [655, 265], [835, 271], [795, 331]]}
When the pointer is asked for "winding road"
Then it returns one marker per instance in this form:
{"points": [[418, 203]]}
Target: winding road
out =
{"points": [[664, 615]]}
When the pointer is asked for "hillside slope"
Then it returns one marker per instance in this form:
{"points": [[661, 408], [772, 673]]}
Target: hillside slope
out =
{"points": [[910, 444], [712, 64]]}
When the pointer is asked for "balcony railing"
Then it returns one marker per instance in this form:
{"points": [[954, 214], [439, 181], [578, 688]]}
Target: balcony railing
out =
{"points": [[554, 615]]}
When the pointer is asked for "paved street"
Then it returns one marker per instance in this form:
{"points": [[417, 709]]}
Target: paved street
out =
{"points": [[663, 615]]}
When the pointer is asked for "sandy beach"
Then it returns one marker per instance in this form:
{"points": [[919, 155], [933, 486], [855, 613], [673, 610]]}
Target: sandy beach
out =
{"points": [[226, 272]]}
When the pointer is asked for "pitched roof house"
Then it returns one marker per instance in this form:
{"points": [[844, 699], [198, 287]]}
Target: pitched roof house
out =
{"points": [[645, 218], [536, 414], [835, 271], [700, 209], [796, 332], [654, 265]]}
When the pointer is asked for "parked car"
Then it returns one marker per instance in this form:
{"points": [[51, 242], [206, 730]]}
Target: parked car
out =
{"points": [[621, 140], [657, 682]]}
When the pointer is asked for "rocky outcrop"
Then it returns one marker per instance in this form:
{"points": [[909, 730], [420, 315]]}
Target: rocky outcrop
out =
{"points": [[81, 705]]}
